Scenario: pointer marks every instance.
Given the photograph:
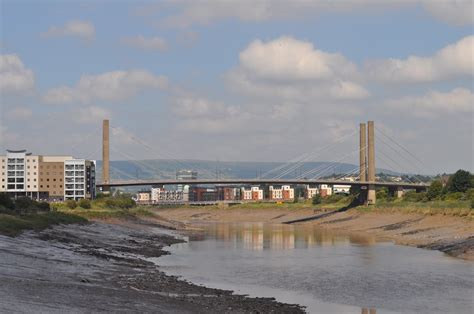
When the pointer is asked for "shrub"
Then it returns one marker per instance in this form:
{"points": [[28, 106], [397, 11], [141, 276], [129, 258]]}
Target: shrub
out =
{"points": [[316, 199], [120, 202], [85, 203], [472, 203], [71, 204], [6, 202], [25, 204], [333, 198], [435, 190], [413, 196], [382, 194], [43, 206], [456, 196]]}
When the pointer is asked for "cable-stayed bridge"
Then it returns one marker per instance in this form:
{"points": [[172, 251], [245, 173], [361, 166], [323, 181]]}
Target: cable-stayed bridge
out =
{"points": [[394, 156]]}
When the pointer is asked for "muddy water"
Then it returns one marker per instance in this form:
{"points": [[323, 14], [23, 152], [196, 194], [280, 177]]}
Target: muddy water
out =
{"points": [[325, 271]]}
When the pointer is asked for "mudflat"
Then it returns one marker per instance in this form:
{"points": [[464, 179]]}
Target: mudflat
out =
{"points": [[105, 267], [449, 234]]}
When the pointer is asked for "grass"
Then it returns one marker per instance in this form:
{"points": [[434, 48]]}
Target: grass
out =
{"points": [[107, 213], [13, 225], [456, 208]]}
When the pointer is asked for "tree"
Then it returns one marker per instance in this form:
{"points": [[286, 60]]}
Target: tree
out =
{"points": [[460, 181], [435, 190], [316, 199]]}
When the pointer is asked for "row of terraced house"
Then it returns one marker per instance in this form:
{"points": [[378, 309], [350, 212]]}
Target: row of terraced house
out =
{"points": [[231, 193]]}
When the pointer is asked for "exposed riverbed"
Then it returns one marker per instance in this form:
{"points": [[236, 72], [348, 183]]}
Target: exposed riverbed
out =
{"points": [[102, 267]]}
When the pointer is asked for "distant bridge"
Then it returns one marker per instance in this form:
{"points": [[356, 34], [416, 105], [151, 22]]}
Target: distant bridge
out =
{"points": [[365, 172], [160, 182]]}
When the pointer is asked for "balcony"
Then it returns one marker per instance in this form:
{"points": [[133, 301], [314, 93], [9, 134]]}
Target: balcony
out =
{"points": [[80, 186], [79, 173], [79, 180], [69, 180], [20, 167], [69, 186], [20, 161], [69, 173], [20, 173], [69, 167], [79, 167], [11, 173]]}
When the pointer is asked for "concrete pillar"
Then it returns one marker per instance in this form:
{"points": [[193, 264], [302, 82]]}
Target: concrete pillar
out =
{"points": [[105, 156], [399, 192], [371, 162], [362, 153]]}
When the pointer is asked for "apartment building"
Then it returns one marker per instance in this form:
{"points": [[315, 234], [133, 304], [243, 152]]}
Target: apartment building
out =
{"points": [[40, 177], [310, 191], [79, 179], [254, 193], [285, 193]]}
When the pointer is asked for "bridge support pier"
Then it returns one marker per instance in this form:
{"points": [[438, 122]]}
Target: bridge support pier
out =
{"points": [[105, 157], [371, 198]]}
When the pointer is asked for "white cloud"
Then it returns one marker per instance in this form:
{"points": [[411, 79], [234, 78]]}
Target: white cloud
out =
{"points": [[454, 12], [109, 86], [75, 28], [290, 69], [435, 103], [188, 12], [153, 43], [14, 76], [91, 115], [451, 62], [19, 113]]}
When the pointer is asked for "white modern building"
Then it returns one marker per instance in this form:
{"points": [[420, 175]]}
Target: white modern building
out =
{"points": [[79, 179]]}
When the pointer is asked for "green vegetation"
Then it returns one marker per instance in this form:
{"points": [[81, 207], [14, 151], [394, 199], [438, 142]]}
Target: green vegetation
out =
{"points": [[105, 207], [317, 199], [71, 204], [13, 225], [85, 203], [25, 213]]}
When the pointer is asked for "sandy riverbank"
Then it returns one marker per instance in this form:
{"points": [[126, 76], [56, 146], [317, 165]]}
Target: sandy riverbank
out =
{"points": [[104, 267], [452, 235]]}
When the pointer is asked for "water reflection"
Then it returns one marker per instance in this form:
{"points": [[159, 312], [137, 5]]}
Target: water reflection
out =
{"points": [[328, 272], [261, 236]]}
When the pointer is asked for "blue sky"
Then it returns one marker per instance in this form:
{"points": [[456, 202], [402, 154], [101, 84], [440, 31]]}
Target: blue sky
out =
{"points": [[189, 76]]}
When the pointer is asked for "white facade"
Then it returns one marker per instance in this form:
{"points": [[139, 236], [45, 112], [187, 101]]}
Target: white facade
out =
{"points": [[79, 179], [32, 173], [310, 192], [275, 194], [15, 177], [288, 192], [341, 189], [246, 194]]}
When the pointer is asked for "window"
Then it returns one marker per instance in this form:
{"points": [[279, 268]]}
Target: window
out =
{"points": [[34, 186], [34, 180], [47, 186], [28, 179], [34, 167], [54, 179], [60, 186], [41, 186], [28, 186], [34, 173], [47, 179], [28, 173], [28, 167]]}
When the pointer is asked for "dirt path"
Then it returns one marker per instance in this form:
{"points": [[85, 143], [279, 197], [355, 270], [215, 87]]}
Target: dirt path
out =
{"points": [[452, 235]]}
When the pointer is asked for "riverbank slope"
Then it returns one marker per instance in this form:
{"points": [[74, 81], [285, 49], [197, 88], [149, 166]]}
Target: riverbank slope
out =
{"points": [[449, 234]]}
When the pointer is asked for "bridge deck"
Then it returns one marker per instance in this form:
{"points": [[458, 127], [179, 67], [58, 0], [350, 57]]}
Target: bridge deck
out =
{"points": [[258, 182]]}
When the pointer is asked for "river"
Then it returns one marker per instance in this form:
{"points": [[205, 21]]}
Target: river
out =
{"points": [[325, 271]]}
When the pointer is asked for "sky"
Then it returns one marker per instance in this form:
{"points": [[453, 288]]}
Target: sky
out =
{"points": [[241, 80]]}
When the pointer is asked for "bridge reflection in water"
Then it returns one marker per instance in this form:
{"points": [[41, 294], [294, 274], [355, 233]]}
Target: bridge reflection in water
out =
{"points": [[261, 236]]}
